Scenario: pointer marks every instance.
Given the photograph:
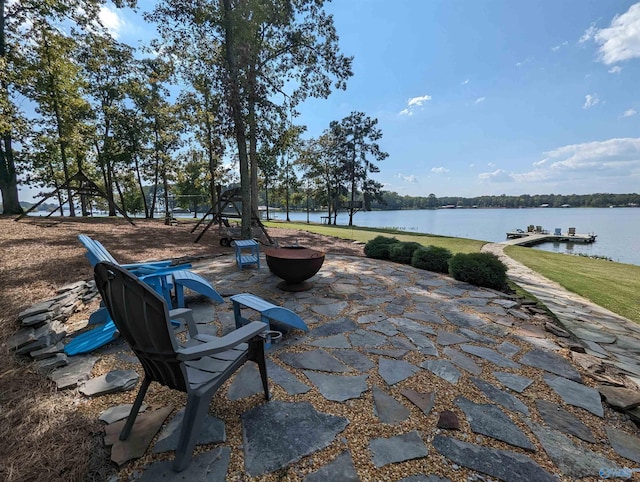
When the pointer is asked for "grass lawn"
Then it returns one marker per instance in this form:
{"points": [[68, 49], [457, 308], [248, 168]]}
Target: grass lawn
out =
{"points": [[614, 286], [455, 245]]}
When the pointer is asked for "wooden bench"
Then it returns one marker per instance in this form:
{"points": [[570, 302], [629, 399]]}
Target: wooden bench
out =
{"points": [[244, 258], [268, 312]]}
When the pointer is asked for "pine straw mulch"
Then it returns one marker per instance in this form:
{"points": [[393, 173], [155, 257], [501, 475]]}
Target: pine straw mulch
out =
{"points": [[44, 436]]}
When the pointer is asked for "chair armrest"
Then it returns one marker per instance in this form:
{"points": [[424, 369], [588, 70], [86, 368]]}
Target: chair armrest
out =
{"points": [[224, 343], [156, 270], [149, 264]]}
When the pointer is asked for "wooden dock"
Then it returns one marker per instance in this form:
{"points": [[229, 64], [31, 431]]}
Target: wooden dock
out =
{"points": [[532, 238]]}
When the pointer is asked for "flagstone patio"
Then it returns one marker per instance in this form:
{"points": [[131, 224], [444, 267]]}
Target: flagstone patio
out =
{"points": [[393, 355]]}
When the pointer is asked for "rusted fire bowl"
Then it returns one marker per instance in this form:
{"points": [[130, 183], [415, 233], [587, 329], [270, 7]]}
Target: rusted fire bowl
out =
{"points": [[295, 265]]}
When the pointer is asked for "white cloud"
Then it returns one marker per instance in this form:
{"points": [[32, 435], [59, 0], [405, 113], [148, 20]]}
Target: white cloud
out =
{"points": [[558, 47], [111, 20], [629, 113], [524, 62], [439, 170], [590, 100], [418, 100], [613, 158], [491, 164], [499, 175], [588, 34], [409, 178], [479, 100], [621, 40], [413, 103], [615, 70], [464, 82]]}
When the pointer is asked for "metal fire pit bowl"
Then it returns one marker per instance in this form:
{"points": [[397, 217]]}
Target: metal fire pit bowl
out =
{"points": [[295, 265]]}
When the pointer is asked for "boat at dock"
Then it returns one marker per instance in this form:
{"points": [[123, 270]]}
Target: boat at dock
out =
{"points": [[536, 235]]}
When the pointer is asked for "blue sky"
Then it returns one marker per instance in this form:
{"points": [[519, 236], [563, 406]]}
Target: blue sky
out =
{"points": [[486, 97]]}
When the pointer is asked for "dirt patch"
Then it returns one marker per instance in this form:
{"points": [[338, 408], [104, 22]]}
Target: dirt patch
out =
{"points": [[44, 436]]}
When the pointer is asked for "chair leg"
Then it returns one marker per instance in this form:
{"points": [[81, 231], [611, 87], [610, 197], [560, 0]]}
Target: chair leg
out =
{"points": [[257, 354], [196, 409], [126, 430]]}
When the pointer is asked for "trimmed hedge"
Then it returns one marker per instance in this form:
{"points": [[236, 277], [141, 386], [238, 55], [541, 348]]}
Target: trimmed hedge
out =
{"points": [[431, 258], [378, 247], [402, 252], [480, 269]]}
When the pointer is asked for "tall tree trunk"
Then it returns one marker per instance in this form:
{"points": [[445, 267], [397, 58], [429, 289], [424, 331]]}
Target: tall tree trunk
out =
{"points": [[353, 180], [62, 143], [139, 178], [213, 164], [165, 185], [238, 119], [8, 175], [253, 139]]}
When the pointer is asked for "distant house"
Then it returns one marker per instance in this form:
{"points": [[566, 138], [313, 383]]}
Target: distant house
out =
{"points": [[545, 205], [566, 206]]}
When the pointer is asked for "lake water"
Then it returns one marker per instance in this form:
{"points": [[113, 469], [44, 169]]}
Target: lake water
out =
{"points": [[618, 229]]}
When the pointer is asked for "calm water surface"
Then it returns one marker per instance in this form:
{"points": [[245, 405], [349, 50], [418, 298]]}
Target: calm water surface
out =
{"points": [[618, 229]]}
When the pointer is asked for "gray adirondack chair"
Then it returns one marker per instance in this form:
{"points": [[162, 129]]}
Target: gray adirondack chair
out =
{"points": [[199, 369]]}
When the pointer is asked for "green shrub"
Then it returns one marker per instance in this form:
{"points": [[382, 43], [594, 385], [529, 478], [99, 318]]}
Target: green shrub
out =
{"points": [[431, 258], [480, 269], [378, 247], [402, 252]]}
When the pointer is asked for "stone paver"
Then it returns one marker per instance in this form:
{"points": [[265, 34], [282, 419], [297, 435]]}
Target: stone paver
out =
{"points": [[397, 449], [267, 429]]}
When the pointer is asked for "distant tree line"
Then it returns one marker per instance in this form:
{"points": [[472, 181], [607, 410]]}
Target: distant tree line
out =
{"points": [[393, 200]]}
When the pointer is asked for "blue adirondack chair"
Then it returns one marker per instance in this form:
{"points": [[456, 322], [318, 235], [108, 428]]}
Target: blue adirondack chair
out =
{"points": [[168, 281]]}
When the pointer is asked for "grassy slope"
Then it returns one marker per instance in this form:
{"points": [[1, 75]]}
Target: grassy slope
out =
{"points": [[614, 286], [455, 245]]}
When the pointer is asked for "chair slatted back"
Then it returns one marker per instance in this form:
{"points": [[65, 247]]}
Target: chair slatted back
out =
{"points": [[142, 318]]}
